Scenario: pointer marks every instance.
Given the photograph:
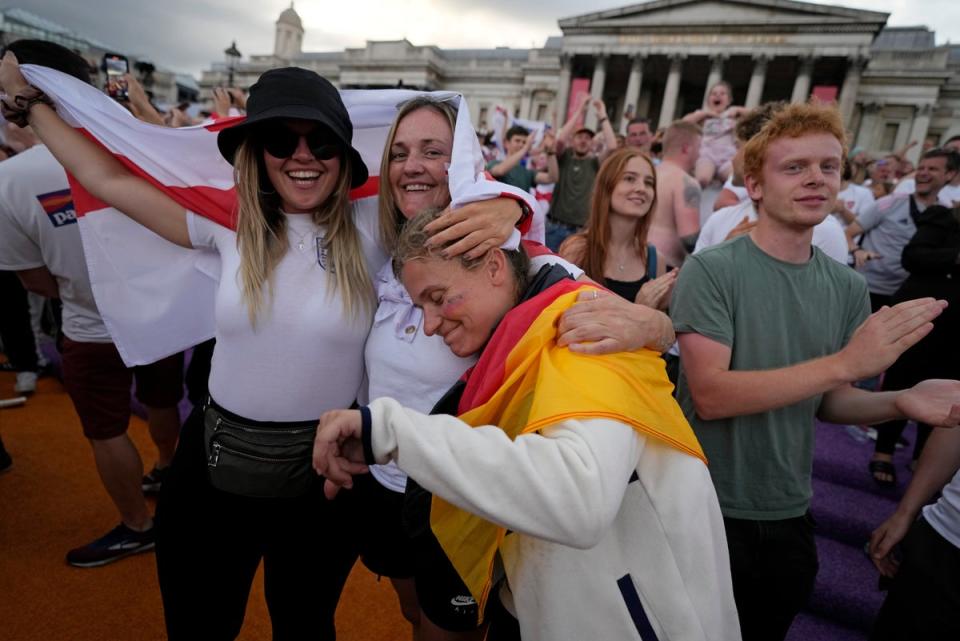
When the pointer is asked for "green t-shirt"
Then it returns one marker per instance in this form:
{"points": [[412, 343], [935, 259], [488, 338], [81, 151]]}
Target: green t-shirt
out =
{"points": [[771, 314], [570, 203], [519, 176]]}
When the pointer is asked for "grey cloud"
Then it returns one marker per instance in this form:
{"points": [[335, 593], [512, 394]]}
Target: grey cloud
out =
{"points": [[182, 35], [187, 35]]}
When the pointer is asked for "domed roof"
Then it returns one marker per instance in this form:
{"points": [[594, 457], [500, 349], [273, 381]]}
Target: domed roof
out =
{"points": [[291, 17]]}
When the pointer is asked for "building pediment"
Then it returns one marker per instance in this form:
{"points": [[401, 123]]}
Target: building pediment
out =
{"points": [[724, 15]]}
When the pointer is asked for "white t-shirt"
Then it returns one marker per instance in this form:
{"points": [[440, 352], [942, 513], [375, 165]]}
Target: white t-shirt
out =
{"points": [[856, 198], [944, 515], [740, 192], [828, 235], [543, 195], [305, 355], [38, 227], [948, 195], [405, 364]]}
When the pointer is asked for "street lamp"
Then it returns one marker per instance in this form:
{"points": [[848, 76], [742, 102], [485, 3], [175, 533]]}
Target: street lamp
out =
{"points": [[233, 57]]}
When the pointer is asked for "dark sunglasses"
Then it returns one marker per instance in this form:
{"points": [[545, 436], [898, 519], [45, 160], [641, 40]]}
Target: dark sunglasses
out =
{"points": [[281, 142]]}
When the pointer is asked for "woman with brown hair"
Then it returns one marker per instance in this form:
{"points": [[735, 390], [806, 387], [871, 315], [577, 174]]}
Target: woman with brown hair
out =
{"points": [[613, 248]]}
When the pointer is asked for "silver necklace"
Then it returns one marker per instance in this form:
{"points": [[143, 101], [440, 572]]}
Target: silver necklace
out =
{"points": [[302, 238], [620, 265]]}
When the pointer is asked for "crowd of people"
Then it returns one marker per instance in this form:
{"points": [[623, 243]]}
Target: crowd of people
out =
{"points": [[559, 407]]}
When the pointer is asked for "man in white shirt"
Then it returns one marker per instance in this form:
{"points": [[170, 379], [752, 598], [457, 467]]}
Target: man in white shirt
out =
{"points": [[949, 195], [733, 221], [40, 240], [924, 597], [852, 200]]}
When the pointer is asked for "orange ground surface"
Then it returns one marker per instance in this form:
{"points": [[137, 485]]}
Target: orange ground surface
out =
{"points": [[52, 500]]}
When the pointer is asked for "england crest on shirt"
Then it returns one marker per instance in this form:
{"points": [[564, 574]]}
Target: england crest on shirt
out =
{"points": [[324, 259]]}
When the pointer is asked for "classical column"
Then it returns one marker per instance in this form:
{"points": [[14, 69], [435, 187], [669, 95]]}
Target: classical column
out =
{"points": [[669, 105], [634, 82], [918, 131], [870, 117], [851, 85], [596, 88], [563, 89], [526, 96], [801, 86], [716, 75], [757, 78]]}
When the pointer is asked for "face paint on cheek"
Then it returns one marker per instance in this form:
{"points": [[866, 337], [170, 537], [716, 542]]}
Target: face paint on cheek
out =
{"points": [[452, 304]]}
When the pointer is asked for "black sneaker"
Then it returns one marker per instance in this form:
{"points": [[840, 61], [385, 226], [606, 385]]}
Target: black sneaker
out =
{"points": [[153, 479], [119, 542], [5, 461]]}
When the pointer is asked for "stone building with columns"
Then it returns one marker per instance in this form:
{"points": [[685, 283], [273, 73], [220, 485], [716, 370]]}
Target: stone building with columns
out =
{"points": [[893, 84]]}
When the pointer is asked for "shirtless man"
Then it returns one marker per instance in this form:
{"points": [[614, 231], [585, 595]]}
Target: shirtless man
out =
{"points": [[676, 222]]}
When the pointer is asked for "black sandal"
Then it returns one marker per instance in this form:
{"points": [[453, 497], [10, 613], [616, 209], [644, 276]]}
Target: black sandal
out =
{"points": [[883, 467]]}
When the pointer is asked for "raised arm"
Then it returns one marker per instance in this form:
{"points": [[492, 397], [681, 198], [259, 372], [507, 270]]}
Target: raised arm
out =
{"points": [[552, 174], [511, 161], [901, 153], [609, 137], [563, 136], [96, 169], [140, 103]]}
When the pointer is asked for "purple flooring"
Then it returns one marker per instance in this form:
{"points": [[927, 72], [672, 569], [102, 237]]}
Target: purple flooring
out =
{"points": [[847, 506]]}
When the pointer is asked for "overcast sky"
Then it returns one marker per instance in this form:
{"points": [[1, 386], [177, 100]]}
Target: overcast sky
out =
{"points": [[187, 35]]}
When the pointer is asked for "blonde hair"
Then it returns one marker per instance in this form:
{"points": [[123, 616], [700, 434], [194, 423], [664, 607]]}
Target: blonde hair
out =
{"points": [[793, 121], [262, 239], [412, 245], [679, 133], [391, 218]]}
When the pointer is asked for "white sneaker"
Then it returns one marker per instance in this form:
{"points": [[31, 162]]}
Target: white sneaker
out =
{"points": [[26, 383]]}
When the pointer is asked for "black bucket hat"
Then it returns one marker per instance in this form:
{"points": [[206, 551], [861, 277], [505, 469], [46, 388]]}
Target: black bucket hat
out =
{"points": [[292, 92]]}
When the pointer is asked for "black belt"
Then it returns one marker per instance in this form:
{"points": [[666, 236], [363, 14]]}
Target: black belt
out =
{"points": [[249, 422]]}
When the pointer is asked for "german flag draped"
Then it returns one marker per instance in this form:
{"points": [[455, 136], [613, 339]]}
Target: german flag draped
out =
{"points": [[524, 382]]}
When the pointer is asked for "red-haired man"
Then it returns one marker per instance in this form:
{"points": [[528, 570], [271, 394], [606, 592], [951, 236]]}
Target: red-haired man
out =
{"points": [[772, 334]]}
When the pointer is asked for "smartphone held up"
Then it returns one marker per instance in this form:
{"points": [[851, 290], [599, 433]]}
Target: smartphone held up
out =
{"points": [[116, 67]]}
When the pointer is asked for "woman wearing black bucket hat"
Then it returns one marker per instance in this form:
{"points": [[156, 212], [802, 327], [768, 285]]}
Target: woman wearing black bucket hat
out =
{"points": [[278, 322], [293, 308]]}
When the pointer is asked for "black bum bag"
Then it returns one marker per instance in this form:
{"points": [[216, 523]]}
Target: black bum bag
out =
{"points": [[255, 459]]}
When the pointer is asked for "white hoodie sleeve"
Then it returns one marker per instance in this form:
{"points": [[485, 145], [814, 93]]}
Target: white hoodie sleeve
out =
{"points": [[564, 484]]}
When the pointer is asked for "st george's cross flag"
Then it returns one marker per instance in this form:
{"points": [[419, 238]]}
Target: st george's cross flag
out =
{"points": [[157, 298]]}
